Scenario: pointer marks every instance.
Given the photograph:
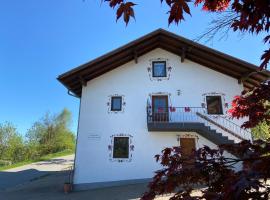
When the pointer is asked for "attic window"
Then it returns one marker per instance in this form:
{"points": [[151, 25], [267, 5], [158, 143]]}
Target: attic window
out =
{"points": [[159, 68], [214, 105], [116, 103]]}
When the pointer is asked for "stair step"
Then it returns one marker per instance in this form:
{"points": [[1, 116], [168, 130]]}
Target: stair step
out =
{"points": [[200, 128]]}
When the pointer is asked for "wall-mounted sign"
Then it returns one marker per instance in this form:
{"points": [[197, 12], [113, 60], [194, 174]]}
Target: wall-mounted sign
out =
{"points": [[94, 136]]}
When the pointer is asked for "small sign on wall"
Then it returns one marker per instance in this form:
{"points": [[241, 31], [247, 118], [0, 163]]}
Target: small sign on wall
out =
{"points": [[94, 136]]}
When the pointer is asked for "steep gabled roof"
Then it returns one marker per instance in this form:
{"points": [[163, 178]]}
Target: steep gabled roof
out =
{"points": [[245, 72]]}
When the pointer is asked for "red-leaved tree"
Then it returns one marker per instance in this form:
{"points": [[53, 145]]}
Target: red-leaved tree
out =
{"points": [[254, 105], [213, 170]]}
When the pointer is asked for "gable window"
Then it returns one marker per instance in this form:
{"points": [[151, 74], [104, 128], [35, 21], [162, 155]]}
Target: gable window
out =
{"points": [[116, 103], [121, 147], [214, 105], [159, 68]]}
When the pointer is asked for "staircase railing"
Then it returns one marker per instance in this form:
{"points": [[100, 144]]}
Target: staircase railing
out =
{"points": [[195, 115], [227, 125]]}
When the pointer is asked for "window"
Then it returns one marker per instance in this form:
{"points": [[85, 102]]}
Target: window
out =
{"points": [[214, 105], [159, 68], [121, 147], [116, 103]]}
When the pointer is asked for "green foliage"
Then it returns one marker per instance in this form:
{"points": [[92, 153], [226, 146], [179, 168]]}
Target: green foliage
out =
{"points": [[51, 134], [6, 165], [262, 131], [11, 143], [48, 135]]}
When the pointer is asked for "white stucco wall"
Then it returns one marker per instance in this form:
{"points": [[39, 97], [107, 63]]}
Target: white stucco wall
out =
{"points": [[132, 80]]}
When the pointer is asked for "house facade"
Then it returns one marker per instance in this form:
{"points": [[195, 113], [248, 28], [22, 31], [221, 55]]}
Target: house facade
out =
{"points": [[158, 91]]}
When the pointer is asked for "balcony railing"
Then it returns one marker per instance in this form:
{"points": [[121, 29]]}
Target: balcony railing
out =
{"points": [[195, 115]]}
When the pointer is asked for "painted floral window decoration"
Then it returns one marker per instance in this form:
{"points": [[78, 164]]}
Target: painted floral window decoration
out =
{"points": [[215, 103], [187, 109], [172, 109], [116, 103], [121, 148], [159, 69]]}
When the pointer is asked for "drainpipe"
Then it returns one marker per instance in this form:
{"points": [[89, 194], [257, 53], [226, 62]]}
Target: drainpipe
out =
{"points": [[77, 135]]}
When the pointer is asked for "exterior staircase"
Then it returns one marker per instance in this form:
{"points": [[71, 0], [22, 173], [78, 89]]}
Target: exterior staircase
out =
{"points": [[200, 128], [217, 129]]}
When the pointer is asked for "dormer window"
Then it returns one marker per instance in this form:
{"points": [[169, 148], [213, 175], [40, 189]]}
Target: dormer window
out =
{"points": [[159, 69], [214, 105], [116, 103]]}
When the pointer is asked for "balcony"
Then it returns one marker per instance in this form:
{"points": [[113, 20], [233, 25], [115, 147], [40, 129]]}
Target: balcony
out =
{"points": [[192, 119]]}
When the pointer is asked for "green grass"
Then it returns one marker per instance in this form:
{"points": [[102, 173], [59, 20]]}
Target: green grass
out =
{"points": [[43, 158]]}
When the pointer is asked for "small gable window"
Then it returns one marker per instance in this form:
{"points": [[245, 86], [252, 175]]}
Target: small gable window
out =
{"points": [[159, 68], [214, 105], [116, 103], [121, 147]]}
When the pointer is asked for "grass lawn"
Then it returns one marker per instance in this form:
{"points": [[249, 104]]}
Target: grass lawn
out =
{"points": [[43, 158]]}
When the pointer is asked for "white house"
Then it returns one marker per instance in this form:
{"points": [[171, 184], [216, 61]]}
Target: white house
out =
{"points": [[158, 91]]}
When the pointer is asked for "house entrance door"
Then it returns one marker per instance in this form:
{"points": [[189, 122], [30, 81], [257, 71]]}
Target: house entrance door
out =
{"points": [[188, 145]]}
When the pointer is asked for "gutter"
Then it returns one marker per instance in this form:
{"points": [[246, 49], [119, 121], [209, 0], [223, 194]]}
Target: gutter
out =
{"points": [[72, 94]]}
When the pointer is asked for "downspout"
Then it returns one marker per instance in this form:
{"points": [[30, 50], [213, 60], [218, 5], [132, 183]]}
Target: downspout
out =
{"points": [[78, 123]]}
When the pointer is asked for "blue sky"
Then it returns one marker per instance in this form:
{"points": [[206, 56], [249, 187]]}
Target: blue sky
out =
{"points": [[40, 39]]}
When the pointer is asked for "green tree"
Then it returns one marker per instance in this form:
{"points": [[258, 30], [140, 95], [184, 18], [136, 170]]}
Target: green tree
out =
{"points": [[51, 134], [11, 143]]}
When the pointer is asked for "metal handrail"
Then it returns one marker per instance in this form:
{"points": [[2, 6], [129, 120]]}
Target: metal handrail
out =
{"points": [[192, 114], [222, 127]]}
